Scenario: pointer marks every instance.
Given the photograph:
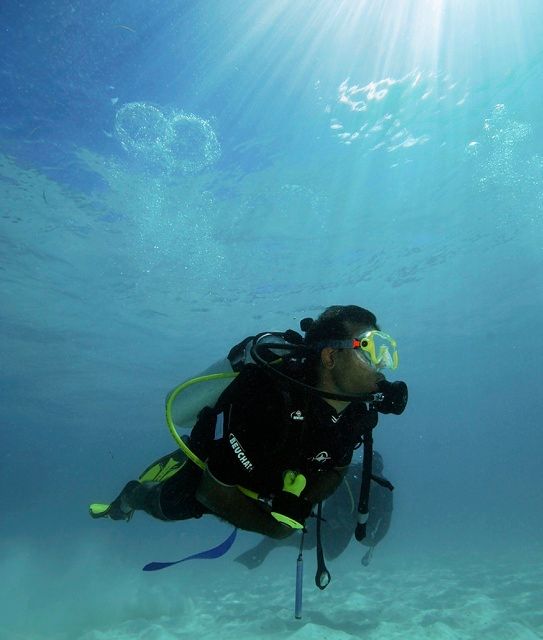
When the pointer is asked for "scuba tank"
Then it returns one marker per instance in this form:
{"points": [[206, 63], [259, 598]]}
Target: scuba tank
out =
{"points": [[187, 399]]}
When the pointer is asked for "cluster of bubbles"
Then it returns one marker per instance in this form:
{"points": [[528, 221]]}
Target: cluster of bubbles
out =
{"points": [[176, 142], [391, 114], [509, 170], [500, 153]]}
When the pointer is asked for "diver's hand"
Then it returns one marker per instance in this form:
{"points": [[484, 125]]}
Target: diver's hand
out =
{"points": [[288, 507], [232, 505]]}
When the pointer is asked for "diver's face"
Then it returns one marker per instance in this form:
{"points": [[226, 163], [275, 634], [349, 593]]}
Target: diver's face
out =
{"points": [[353, 374]]}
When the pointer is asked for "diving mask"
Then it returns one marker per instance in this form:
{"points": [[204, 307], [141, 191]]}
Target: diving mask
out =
{"points": [[378, 349], [375, 348]]}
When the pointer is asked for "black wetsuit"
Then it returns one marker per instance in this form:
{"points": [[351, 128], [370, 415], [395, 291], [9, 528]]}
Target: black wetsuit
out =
{"points": [[268, 429]]}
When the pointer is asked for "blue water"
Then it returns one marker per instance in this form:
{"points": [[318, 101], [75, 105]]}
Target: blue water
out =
{"points": [[178, 175]]}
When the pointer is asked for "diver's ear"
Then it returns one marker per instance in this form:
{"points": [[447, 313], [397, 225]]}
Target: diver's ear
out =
{"points": [[328, 357]]}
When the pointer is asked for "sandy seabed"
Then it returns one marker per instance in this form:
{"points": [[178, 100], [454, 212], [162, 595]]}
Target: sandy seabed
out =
{"points": [[416, 599]]}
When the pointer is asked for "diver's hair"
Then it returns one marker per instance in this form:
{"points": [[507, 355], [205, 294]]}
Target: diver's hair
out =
{"points": [[336, 323]]}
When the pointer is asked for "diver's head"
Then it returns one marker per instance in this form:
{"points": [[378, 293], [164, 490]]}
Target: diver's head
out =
{"points": [[335, 365], [336, 323]]}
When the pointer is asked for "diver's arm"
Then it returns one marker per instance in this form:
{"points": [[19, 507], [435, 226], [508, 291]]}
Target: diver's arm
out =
{"points": [[229, 503], [322, 484]]}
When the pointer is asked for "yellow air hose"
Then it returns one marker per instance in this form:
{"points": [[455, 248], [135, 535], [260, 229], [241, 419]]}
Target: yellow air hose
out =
{"points": [[173, 430], [169, 403]]}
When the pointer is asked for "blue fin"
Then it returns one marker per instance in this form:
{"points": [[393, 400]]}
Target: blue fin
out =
{"points": [[209, 554]]}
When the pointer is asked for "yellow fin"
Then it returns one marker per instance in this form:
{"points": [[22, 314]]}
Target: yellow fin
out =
{"points": [[98, 510], [164, 468]]}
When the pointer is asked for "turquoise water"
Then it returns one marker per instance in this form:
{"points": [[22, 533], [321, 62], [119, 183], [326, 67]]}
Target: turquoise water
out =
{"points": [[177, 176]]}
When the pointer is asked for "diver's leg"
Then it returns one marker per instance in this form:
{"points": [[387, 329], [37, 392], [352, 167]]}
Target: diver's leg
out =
{"points": [[144, 496], [177, 500]]}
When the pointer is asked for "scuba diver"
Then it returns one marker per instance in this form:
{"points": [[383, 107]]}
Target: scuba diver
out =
{"points": [[280, 437], [339, 516]]}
